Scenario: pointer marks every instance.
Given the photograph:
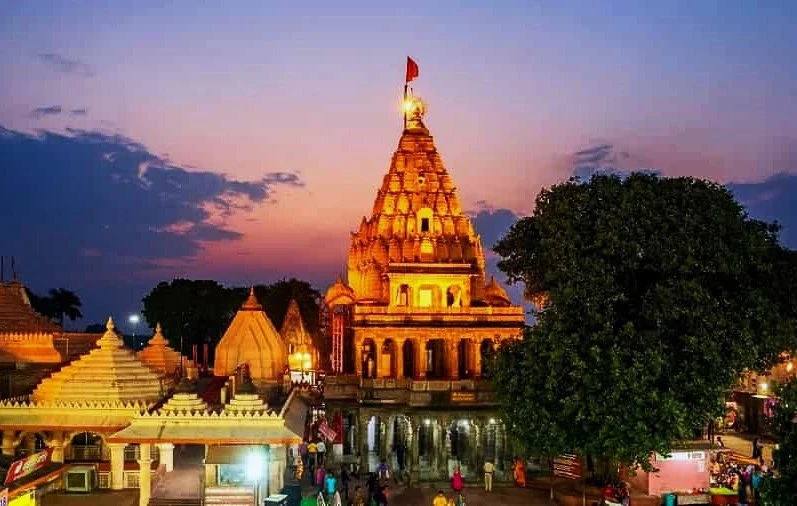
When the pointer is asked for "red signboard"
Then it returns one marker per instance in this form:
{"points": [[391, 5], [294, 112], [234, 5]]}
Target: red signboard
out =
{"points": [[567, 466], [23, 467], [4, 497]]}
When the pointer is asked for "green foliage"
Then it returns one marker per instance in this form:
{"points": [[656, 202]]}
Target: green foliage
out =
{"points": [[780, 489], [200, 311], [660, 293], [57, 305]]}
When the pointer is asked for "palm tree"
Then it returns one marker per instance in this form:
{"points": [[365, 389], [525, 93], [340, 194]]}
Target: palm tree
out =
{"points": [[65, 304]]}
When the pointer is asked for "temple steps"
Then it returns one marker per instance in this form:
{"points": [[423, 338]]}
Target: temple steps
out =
{"points": [[164, 501]]}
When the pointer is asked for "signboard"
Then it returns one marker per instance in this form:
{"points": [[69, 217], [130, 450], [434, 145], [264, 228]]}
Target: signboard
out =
{"points": [[567, 466], [325, 430], [4, 497], [463, 396], [23, 467]]}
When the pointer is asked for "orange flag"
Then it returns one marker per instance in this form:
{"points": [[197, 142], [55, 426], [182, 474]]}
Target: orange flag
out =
{"points": [[412, 70]]}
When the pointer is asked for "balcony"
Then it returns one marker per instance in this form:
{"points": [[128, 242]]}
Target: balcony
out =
{"points": [[475, 392]]}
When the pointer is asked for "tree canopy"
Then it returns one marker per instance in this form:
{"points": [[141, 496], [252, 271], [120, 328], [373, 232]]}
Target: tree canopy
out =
{"points": [[658, 293], [57, 305], [199, 311], [780, 489]]}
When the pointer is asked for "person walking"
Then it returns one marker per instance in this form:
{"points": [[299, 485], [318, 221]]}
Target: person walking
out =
{"points": [[320, 449], [460, 500], [330, 484], [489, 469], [344, 483], [457, 482], [520, 472], [440, 499], [359, 497]]}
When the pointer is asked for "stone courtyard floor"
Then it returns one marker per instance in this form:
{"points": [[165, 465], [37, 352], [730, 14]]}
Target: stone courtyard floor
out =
{"points": [[474, 496]]}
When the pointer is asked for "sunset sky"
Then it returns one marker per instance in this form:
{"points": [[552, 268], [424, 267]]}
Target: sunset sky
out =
{"points": [[242, 141]]}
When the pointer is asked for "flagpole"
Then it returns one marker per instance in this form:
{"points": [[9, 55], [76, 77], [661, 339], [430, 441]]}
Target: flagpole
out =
{"points": [[404, 105]]}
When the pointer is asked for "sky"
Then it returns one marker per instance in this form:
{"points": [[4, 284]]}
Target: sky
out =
{"points": [[243, 141]]}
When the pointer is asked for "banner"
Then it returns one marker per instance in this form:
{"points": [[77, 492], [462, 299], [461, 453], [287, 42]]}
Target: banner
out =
{"points": [[23, 467], [325, 430], [567, 466]]}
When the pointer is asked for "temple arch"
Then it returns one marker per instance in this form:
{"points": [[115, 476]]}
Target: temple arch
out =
{"points": [[85, 446], [464, 358], [368, 358], [408, 356], [435, 359], [486, 350]]}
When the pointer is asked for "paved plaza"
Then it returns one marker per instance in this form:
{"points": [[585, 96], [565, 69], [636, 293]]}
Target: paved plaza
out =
{"points": [[474, 496]]}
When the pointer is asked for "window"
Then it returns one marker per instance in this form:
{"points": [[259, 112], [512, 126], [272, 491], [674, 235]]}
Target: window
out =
{"points": [[424, 224], [404, 295]]}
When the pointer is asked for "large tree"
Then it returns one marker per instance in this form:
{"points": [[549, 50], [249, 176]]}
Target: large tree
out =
{"points": [[196, 311], [57, 305], [781, 488], [658, 293]]}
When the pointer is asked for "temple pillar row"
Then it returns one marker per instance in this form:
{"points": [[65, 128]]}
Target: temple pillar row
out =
{"points": [[117, 465], [8, 443], [57, 444], [144, 473], [277, 468], [166, 456]]}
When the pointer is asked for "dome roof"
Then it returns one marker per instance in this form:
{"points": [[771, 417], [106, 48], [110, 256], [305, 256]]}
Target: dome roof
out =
{"points": [[160, 356], [109, 373], [251, 339], [495, 294], [339, 293], [417, 217]]}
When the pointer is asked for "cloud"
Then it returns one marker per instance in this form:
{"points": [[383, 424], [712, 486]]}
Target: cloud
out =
{"points": [[66, 65], [84, 207], [492, 223], [41, 112], [78, 112], [773, 199], [603, 157]]}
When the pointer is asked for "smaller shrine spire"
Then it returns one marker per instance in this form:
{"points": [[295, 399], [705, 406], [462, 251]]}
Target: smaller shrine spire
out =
{"points": [[110, 339], [251, 303]]}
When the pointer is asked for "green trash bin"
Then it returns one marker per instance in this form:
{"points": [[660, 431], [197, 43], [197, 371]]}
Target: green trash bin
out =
{"points": [[670, 500]]}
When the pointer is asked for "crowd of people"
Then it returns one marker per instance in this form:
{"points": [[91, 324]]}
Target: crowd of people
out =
{"points": [[741, 475]]}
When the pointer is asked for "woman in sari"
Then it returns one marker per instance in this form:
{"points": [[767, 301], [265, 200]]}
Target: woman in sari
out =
{"points": [[520, 472]]}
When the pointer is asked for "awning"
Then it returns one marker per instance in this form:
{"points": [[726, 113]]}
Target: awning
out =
{"points": [[230, 454]]}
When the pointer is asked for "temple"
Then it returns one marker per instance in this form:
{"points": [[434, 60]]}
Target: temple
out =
{"points": [[412, 323], [31, 345]]}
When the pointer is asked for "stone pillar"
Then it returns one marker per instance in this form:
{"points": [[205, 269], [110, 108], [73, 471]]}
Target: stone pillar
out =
{"points": [[166, 456], [117, 465], [8, 443], [399, 357], [378, 362], [452, 350], [276, 469], [358, 357], [362, 440], [414, 457], [420, 362], [500, 455], [477, 460], [477, 358], [57, 444], [30, 443], [144, 474]]}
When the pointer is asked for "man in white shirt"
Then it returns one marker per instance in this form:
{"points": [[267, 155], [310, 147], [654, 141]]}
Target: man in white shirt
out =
{"points": [[321, 448], [489, 468]]}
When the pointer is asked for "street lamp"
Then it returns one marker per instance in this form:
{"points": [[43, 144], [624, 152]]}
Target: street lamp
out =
{"points": [[134, 319]]}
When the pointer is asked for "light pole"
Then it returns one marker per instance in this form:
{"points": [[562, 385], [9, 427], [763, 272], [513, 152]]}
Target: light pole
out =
{"points": [[134, 319]]}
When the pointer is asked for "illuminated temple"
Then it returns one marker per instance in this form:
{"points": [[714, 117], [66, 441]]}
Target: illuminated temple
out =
{"points": [[412, 323]]}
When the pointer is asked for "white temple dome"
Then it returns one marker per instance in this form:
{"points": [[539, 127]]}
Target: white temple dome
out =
{"points": [[110, 373]]}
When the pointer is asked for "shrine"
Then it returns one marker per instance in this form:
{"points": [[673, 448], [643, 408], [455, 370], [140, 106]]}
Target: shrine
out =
{"points": [[412, 323]]}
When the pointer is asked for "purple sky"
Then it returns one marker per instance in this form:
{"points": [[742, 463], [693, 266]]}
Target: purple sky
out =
{"points": [[243, 141]]}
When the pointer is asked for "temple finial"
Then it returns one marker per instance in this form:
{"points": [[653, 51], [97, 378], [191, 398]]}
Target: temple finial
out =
{"points": [[158, 328], [109, 325]]}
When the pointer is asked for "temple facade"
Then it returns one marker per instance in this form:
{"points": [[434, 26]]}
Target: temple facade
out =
{"points": [[412, 323]]}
